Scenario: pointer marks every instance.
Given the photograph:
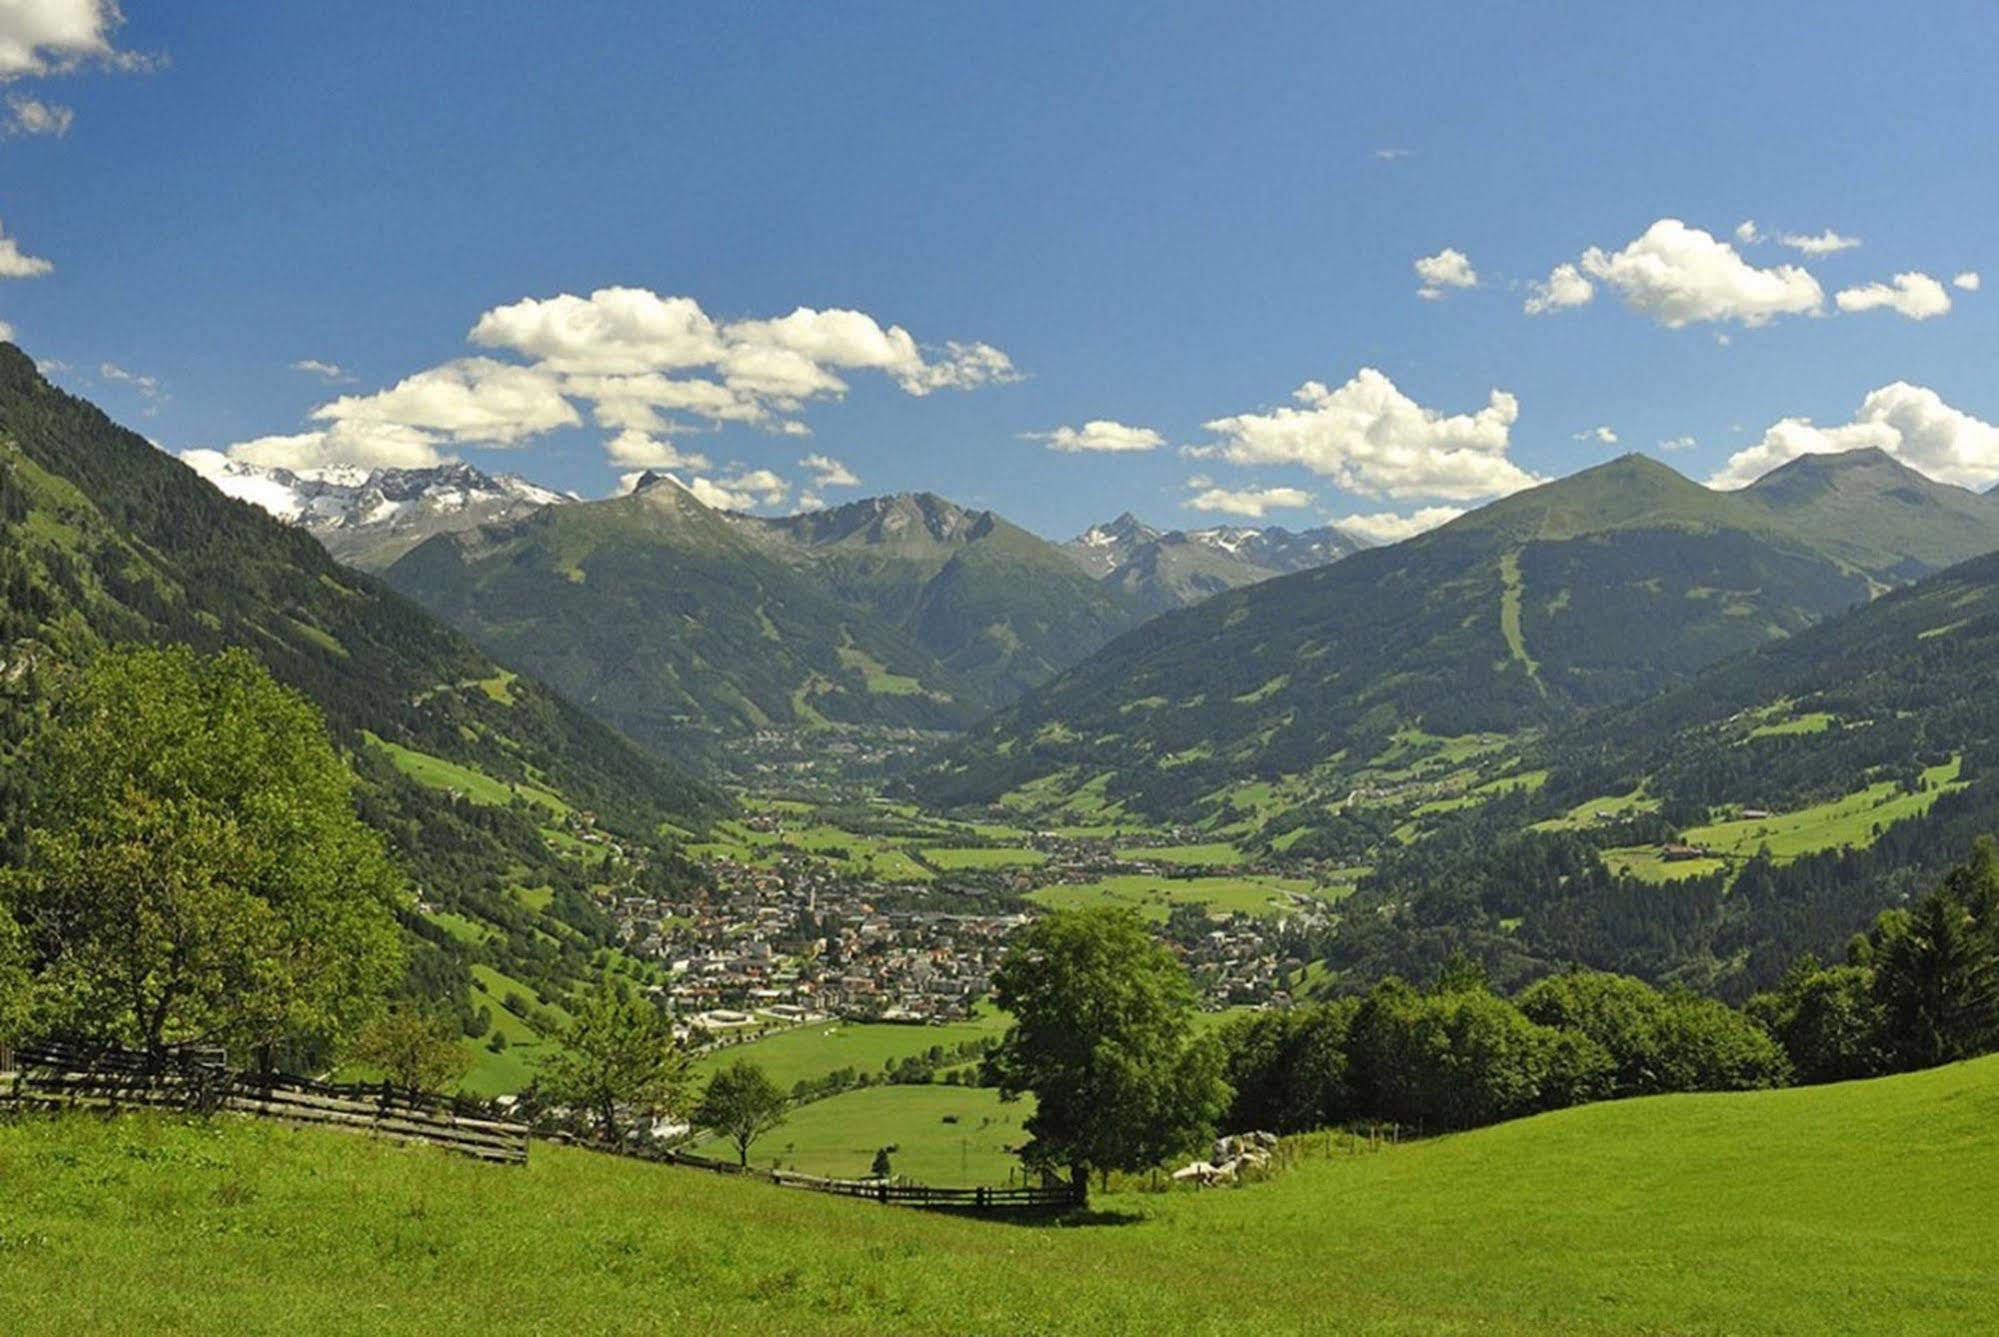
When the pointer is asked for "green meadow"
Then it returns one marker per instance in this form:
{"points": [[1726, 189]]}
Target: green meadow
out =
{"points": [[1155, 897], [953, 1135], [1848, 1209], [807, 1053]]}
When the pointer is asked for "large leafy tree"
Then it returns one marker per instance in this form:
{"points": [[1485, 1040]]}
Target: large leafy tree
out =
{"points": [[741, 1103], [194, 869], [416, 1050], [1102, 1038], [618, 1056], [13, 980]]}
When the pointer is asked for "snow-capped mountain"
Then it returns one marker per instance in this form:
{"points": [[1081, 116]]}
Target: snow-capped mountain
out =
{"points": [[370, 517], [1165, 569]]}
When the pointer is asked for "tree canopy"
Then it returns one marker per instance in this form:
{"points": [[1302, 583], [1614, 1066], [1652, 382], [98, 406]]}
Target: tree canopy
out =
{"points": [[1102, 1038], [618, 1056], [742, 1104], [194, 869]]}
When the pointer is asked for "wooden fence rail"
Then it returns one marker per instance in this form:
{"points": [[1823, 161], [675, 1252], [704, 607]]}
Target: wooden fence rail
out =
{"points": [[1027, 1198], [56, 1080]]}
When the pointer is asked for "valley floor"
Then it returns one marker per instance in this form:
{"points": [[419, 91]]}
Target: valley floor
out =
{"points": [[1855, 1208]]}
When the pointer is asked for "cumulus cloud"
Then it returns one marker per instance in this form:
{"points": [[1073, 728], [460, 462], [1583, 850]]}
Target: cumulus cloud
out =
{"points": [[1673, 445], [1967, 281], [745, 492], [363, 445], [32, 116], [646, 366], [1827, 242], [1099, 436], [1250, 502], [39, 37], [1679, 275], [639, 451], [1909, 422], [18, 264], [1917, 296], [1448, 268], [1747, 233], [6, 332], [1564, 287], [1602, 435], [828, 472], [472, 400], [1373, 440], [1388, 527]]}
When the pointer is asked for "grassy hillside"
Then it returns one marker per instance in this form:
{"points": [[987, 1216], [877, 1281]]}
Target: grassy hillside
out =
{"points": [[1858, 1208], [1602, 588]]}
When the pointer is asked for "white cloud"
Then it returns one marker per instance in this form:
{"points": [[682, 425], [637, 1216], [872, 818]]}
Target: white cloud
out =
{"points": [[1371, 439], [326, 371], [1565, 287], [1601, 435], [1388, 527], [1679, 275], [16, 263], [32, 116], [55, 36], [471, 400], [1673, 445], [759, 487], [637, 450], [1917, 296], [1099, 436], [1827, 242], [785, 360], [365, 445], [6, 332], [1746, 233], [1968, 281], [1448, 268], [148, 386], [1251, 502], [1392, 154], [1910, 422], [828, 472]]}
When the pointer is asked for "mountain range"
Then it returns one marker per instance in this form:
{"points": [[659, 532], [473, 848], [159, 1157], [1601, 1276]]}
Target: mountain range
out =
{"points": [[1610, 585], [370, 517], [1159, 570]]}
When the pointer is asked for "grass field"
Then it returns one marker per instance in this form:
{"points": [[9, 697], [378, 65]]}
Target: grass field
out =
{"points": [[1849, 820], [955, 1135], [1859, 1208], [1214, 853], [808, 1052], [1154, 897], [475, 786], [985, 857]]}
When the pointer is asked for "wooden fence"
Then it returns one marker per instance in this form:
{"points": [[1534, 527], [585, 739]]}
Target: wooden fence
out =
{"points": [[61, 1078], [1045, 1198]]}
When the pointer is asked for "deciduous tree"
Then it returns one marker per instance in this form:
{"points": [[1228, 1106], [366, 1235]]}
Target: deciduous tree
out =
{"points": [[618, 1055], [742, 1104], [1102, 1038], [194, 869], [416, 1050]]}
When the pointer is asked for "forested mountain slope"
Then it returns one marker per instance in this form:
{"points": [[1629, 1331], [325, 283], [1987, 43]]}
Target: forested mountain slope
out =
{"points": [[677, 626], [1002, 608], [1605, 587]]}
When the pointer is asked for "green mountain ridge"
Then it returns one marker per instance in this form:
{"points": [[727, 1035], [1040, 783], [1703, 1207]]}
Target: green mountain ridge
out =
{"points": [[682, 625], [1604, 587]]}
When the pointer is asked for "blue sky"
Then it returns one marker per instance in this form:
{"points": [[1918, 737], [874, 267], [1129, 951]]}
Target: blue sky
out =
{"points": [[1159, 216]]}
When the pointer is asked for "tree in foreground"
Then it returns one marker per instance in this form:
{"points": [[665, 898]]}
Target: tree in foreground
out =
{"points": [[193, 868], [417, 1051], [741, 1104], [1102, 1037], [618, 1056], [13, 980]]}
